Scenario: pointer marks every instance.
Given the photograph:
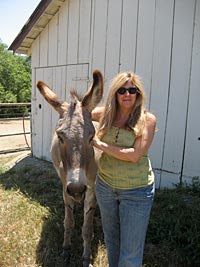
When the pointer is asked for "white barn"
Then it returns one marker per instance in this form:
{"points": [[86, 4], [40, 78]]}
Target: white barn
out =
{"points": [[157, 39]]}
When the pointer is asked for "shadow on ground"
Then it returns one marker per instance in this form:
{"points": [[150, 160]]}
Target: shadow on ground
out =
{"points": [[38, 180]]}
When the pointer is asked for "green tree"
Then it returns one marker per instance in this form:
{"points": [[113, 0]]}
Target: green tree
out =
{"points": [[15, 77]]}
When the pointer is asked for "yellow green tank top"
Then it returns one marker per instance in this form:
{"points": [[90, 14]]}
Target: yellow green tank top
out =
{"points": [[124, 174]]}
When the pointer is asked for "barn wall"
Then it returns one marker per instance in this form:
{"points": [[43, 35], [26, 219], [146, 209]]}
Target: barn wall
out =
{"points": [[157, 39]]}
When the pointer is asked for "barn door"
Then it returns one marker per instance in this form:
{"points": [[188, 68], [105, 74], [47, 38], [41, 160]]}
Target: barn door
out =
{"points": [[61, 79]]}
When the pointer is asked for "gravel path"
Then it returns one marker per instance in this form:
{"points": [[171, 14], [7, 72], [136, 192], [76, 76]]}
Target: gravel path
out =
{"points": [[14, 142]]}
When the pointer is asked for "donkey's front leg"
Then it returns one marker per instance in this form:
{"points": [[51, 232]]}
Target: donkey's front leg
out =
{"points": [[87, 230], [68, 228]]}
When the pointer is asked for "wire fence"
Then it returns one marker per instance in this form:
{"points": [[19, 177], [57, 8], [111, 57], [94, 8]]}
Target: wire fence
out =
{"points": [[15, 127]]}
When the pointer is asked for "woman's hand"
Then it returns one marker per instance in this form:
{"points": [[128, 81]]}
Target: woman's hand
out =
{"points": [[97, 143]]}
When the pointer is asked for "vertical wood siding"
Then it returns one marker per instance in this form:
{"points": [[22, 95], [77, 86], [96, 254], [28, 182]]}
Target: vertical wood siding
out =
{"points": [[98, 54], [160, 79], [191, 160], [145, 42], [112, 48], [63, 21], [129, 28], [178, 91], [73, 32], [158, 39]]}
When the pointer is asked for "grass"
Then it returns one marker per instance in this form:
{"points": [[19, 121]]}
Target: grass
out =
{"points": [[18, 233], [174, 229], [32, 213]]}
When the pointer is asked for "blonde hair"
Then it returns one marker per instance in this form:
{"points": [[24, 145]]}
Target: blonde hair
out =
{"points": [[137, 117]]}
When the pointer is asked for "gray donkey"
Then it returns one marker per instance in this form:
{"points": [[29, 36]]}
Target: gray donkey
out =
{"points": [[73, 158]]}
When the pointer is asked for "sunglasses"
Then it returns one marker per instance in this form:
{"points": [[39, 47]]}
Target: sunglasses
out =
{"points": [[131, 90]]}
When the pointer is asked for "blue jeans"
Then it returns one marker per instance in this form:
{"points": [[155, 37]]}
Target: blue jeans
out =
{"points": [[125, 216]]}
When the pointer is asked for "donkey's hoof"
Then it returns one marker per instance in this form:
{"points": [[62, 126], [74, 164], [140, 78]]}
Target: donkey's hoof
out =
{"points": [[86, 263], [66, 254]]}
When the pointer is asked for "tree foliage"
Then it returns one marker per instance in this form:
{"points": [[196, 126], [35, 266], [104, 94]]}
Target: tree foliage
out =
{"points": [[15, 77]]}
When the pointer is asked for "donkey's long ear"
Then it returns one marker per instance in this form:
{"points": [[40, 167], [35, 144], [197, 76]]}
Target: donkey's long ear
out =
{"points": [[95, 93], [59, 105]]}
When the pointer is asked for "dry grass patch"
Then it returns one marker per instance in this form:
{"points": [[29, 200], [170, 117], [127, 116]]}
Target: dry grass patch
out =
{"points": [[20, 228]]}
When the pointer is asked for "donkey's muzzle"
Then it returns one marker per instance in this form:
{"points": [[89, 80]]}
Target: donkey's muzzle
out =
{"points": [[76, 191]]}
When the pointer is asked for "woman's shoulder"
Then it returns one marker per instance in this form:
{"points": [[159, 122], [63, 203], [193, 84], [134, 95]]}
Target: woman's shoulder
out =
{"points": [[97, 113]]}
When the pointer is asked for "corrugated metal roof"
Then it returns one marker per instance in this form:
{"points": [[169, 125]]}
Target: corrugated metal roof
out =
{"points": [[43, 13]]}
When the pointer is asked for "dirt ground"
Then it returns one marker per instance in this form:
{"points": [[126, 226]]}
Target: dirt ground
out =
{"points": [[17, 142]]}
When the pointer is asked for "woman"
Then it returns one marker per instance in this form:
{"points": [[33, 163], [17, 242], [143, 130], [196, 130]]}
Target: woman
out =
{"points": [[125, 181]]}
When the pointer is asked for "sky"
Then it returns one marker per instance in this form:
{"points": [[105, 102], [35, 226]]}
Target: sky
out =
{"points": [[13, 16]]}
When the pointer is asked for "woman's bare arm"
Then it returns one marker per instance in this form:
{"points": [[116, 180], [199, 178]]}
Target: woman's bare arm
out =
{"points": [[140, 147]]}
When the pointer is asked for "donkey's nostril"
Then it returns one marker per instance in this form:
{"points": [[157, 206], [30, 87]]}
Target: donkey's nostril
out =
{"points": [[74, 189]]}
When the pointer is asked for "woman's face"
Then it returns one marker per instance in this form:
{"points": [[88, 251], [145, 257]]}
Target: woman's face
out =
{"points": [[127, 100]]}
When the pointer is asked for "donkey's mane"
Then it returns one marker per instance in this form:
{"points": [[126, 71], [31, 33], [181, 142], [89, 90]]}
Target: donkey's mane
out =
{"points": [[75, 96]]}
